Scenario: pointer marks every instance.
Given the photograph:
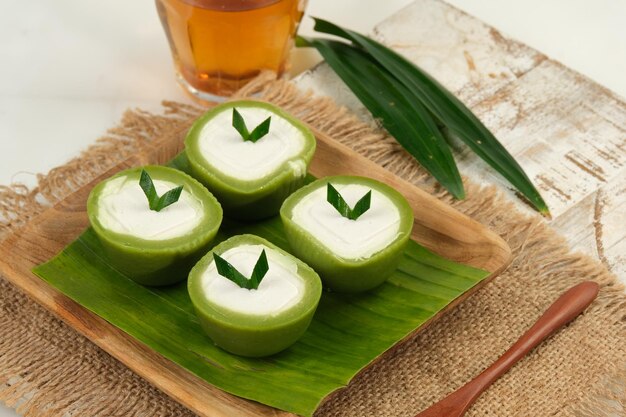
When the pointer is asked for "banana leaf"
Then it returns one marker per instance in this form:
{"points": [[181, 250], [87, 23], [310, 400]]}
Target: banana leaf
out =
{"points": [[346, 334], [400, 111], [448, 109]]}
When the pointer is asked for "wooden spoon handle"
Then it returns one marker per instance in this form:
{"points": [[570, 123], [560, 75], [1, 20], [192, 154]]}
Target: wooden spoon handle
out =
{"points": [[562, 311], [565, 309]]}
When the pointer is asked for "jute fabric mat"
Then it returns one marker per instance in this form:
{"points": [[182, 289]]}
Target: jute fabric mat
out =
{"points": [[46, 369]]}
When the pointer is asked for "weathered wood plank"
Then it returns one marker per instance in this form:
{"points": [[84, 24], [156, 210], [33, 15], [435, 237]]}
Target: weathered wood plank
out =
{"points": [[468, 56], [552, 120], [596, 224], [568, 132]]}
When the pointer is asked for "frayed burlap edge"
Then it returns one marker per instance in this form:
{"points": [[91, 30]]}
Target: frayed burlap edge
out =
{"points": [[46, 369]]}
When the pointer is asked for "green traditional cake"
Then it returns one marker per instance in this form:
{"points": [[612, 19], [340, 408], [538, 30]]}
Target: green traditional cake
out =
{"points": [[252, 298], [154, 222], [251, 155], [351, 230]]}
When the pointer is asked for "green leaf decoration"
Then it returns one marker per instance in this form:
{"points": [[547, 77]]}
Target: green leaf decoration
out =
{"points": [[225, 269], [337, 201], [240, 125], [397, 108], [261, 130], [448, 109], [346, 334], [257, 133], [146, 184], [155, 202]]}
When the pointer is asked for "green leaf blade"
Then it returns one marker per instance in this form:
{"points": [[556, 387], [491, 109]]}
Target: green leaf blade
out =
{"points": [[155, 202], [240, 125], [260, 269], [228, 271], [225, 269], [146, 184], [447, 108], [398, 109], [261, 130], [169, 198], [336, 200], [361, 206], [257, 133]]}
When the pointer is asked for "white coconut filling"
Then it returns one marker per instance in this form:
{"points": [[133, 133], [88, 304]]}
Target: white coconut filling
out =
{"points": [[123, 208], [223, 148], [350, 239], [280, 289]]}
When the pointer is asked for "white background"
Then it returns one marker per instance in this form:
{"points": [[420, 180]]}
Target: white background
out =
{"points": [[69, 68]]}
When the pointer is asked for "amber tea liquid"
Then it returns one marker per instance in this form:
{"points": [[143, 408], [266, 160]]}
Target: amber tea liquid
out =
{"points": [[219, 45]]}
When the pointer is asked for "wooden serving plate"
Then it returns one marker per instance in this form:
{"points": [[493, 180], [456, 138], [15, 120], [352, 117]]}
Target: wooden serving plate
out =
{"points": [[437, 227]]}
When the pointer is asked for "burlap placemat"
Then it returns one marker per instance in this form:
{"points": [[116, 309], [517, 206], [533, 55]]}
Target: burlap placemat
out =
{"points": [[46, 369]]}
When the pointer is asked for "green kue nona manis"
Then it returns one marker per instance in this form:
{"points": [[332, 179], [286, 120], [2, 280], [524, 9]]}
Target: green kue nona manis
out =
{"points": [[351, 230], [153, 222], [251, 297], [251, 155]]}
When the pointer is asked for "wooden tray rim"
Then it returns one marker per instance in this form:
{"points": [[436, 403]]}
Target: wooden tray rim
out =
{"points": [[174, 380]]}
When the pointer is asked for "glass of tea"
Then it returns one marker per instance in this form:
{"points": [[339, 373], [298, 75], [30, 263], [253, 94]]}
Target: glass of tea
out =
{"points": [[220, 45]]}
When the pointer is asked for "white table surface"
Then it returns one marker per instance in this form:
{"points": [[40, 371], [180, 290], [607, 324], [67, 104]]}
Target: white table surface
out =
{"points": [[71, 67]]}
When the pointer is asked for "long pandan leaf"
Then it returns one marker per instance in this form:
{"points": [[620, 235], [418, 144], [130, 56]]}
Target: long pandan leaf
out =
{"points": [[400, 112], [447, 108]]}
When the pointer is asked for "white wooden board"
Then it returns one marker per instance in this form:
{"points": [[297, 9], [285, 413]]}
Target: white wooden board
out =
{"points": [[568, 132]]}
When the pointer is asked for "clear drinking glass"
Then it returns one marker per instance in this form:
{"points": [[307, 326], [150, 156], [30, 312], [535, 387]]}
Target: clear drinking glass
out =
{"points": [[220, 45]]}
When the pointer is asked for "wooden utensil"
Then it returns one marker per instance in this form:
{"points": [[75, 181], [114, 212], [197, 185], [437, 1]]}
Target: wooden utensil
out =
{"points": [[569, 305]]}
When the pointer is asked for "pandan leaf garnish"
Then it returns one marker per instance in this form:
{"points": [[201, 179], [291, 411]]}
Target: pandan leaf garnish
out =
{"points": [[257, 133], [155, 202], [337, 201], [225, 269]]}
